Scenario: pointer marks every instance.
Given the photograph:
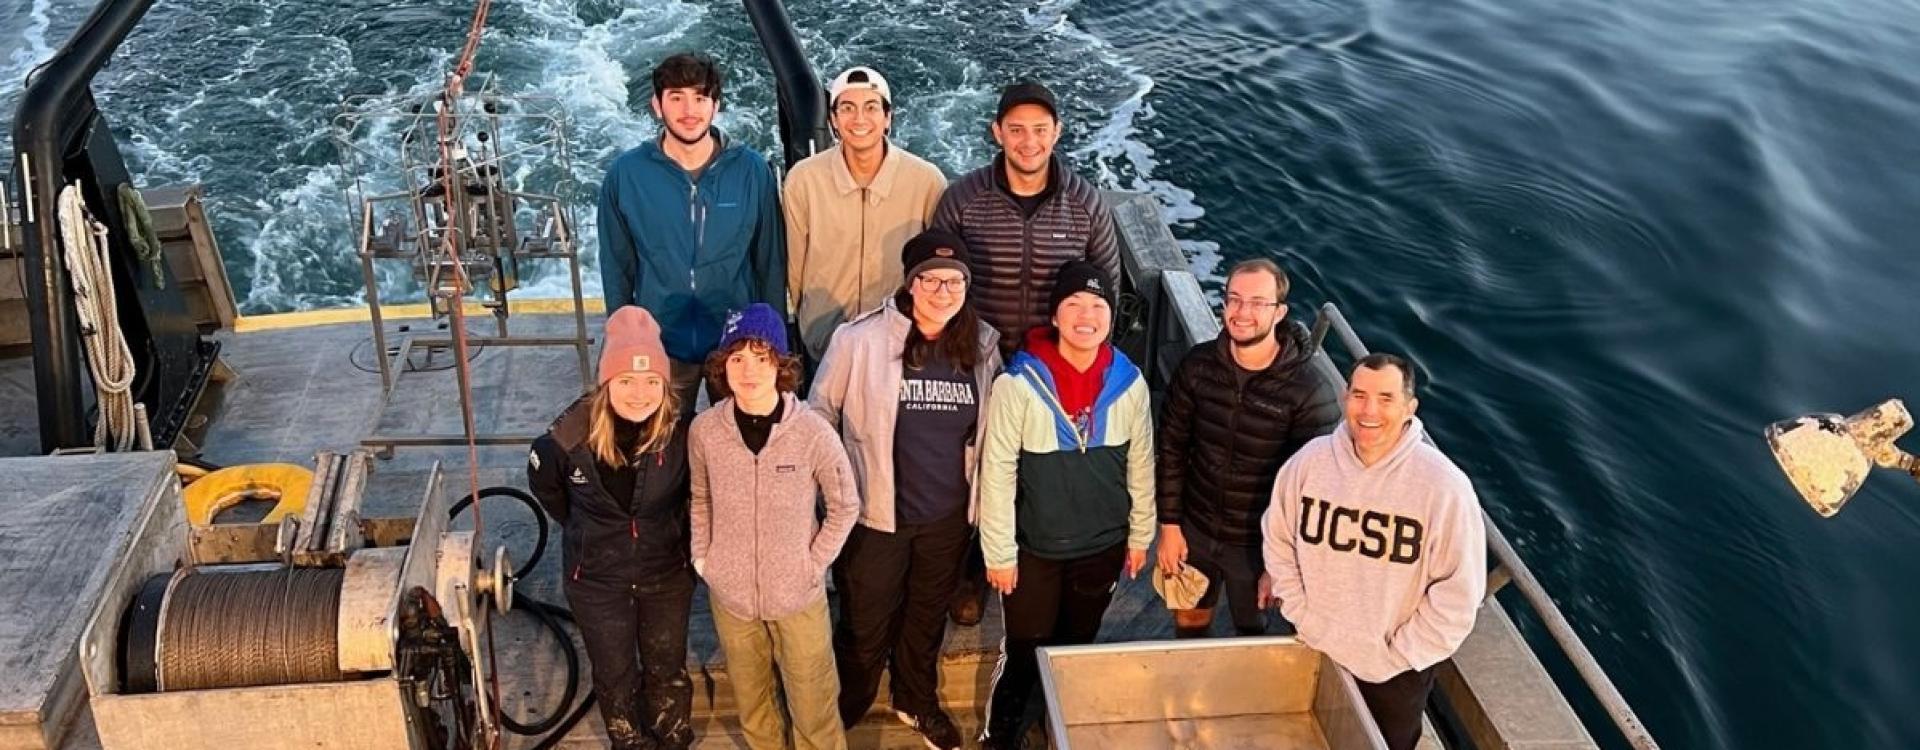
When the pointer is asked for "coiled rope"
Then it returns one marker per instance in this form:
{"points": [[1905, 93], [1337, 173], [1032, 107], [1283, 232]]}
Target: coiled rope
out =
{"points": [[85, 241], [242, 629]]}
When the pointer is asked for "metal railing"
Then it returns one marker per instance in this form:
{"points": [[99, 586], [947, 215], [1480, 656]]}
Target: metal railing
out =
{"points": [[1509, 568]]}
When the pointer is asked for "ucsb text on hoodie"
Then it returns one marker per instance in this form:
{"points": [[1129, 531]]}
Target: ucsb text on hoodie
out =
{"points": [[1380, 567]]}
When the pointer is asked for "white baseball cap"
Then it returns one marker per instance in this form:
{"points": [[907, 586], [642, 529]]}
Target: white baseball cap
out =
{"points": [[859, 77]]}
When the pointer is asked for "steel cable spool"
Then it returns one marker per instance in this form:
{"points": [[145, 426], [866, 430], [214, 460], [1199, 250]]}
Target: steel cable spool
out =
{"points": [[249, 628]]}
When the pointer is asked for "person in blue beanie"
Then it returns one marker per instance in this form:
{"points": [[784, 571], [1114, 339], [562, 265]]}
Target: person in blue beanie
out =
{"points": [[762, 462]]}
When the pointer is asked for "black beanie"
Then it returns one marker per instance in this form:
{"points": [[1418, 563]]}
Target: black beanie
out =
{"points": [[1078, 276], [935, 248]]}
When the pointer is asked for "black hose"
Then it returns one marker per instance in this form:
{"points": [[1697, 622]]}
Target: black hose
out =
{"points": [[559, 732], [533, 506], [200, 463], [560, 722], [550, 616]]}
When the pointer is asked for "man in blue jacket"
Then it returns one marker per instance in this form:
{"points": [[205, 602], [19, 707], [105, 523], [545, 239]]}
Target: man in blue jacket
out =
{"points": [[690, 224]]}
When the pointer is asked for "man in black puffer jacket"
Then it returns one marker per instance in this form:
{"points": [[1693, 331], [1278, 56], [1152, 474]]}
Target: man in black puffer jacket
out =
{"points": [[1024, 215], [1238, 408]]}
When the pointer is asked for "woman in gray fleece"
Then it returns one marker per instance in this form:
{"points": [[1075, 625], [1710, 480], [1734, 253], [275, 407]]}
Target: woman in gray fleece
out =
{"points": [[759, 459]]}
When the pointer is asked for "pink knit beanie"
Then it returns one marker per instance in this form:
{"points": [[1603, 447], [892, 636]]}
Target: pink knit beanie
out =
{"points": [[632, 345]]}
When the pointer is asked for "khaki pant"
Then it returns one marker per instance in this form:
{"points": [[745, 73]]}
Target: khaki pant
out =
{"points": [[799, 707]]}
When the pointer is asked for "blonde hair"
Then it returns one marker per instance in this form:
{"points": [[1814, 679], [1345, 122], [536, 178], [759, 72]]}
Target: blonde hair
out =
{"points": [[655, 433]]}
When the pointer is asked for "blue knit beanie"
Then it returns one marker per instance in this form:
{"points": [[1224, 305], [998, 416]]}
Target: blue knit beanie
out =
{"points": [[758, 321]]}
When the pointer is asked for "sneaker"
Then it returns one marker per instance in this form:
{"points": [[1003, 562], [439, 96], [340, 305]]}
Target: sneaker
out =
{"points": [[935, 728]]}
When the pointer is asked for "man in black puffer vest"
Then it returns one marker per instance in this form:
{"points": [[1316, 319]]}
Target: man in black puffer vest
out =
{"points": [[1238, 408], [1024, 215]]}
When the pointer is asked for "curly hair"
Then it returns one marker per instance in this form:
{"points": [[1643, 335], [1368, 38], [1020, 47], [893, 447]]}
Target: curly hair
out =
{"points": [[716, 369]]}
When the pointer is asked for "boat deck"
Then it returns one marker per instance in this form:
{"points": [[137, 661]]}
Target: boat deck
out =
{"points": [[305, 389]]}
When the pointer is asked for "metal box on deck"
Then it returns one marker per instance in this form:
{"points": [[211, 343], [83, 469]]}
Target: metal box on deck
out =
{"points": [[1245, 693]]}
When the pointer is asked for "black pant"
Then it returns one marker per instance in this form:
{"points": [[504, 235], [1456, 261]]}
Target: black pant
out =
{"points": [[1397, 705], [636, 638], [893, 612], [1233, 570], [1054, 603]]}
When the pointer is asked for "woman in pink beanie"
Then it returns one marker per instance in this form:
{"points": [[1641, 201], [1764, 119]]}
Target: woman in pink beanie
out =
{"points": [[612, 470]]}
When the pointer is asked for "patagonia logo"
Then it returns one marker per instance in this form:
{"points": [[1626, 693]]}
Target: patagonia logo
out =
{"points": [[785, 469], [1059, 236], [735, 204], [578, 478], [944, 252], [533, 459]]}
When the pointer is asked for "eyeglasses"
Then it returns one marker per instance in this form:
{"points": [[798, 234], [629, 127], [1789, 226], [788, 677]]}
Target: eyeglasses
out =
{"points": [[1255, 305], [954, 285], [847, 109]]}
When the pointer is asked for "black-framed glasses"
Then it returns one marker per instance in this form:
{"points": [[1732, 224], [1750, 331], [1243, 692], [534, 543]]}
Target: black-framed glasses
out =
{"points": [[1256, 305], [956, 285]]}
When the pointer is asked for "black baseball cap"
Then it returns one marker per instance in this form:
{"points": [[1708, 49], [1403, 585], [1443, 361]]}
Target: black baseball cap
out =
{"points": [[1026, 92]]}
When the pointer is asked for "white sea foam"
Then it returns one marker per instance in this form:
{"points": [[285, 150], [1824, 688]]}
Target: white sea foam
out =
{"points": [[1120, 159]]}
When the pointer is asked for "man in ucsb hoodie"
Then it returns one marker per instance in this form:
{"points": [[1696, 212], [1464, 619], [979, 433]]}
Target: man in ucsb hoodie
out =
{"points": [[1375, 546], [690, 224], [1066, 488]]}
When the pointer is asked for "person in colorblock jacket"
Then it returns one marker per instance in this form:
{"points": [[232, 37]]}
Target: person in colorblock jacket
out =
{"points": [[1066, 488]]}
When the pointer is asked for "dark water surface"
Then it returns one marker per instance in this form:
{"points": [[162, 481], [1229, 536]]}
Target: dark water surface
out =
{"points": [[1622, 237]]}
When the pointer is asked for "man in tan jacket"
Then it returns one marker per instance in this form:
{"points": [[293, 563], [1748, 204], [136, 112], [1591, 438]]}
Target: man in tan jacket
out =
{"points": [[850, 209]]}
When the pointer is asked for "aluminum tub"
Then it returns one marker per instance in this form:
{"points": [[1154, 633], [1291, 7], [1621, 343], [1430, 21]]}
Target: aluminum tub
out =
{"points": [[1265, 692]]}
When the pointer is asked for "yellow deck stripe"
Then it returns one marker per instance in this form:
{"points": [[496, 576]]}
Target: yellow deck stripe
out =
{"points": [[330, 316]]}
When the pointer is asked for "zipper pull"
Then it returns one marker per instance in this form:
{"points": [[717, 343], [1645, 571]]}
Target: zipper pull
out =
{"points": [[576, 571], [633, 528]]}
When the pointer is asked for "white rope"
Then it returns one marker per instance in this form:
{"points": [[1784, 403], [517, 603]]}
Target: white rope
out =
{"points": [[93, 298]]}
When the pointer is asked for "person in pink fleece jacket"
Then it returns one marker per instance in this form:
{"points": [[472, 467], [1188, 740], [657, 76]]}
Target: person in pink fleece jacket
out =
{"points": [[759, 460], [1375, 547]]}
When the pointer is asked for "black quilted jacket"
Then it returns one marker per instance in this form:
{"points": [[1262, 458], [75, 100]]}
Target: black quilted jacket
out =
{"points": [[1225, 432]]}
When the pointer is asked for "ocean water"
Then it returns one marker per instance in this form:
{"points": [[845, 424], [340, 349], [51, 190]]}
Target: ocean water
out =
{"points": [[1620, 237]]}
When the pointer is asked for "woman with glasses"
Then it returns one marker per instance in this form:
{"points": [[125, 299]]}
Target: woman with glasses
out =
{"points": [[907, 384]]}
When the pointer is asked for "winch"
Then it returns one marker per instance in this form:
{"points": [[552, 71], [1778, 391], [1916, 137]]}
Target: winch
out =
{"points": [[269, 635]]}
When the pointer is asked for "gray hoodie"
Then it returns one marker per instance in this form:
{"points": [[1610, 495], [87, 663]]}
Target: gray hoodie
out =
{"points": [[756, 540], [1380, 567]]}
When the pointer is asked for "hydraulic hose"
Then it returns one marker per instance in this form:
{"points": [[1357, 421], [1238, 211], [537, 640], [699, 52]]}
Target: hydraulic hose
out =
{"points": [[557, 724], [533, 506]]}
